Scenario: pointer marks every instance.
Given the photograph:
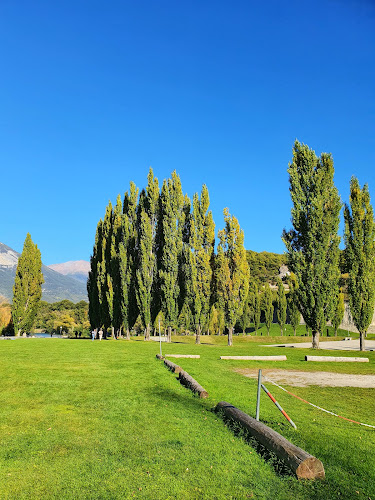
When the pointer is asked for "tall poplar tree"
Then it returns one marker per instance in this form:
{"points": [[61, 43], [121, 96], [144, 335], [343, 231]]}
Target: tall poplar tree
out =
{"points": [[104, 278], [232, 272], [172, 220], [360, 257], [27, 289], [281, 305], [127, 249], [268, 307], [313, 243], [93, 279], [146, 251], [116, 237], [201, 246]]}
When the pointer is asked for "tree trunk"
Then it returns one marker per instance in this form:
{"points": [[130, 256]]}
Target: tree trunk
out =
{"points": [[147, 332], [230, 335], [304, 465], [127, 334], [295, 331], [362, 341], [169, 339], [198, 335], [281, 330], [315, 339], [113, 332]]}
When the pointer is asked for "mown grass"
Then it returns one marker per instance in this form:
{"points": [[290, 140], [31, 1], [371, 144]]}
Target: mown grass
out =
{"points": [[98, 420]]}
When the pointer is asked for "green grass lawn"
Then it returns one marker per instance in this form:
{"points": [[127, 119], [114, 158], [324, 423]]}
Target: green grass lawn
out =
{"points": [[101, 420]]}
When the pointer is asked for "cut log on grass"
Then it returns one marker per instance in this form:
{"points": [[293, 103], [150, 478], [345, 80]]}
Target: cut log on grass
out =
{"points": [[304, 465], [342, 359], [172, 366], [195, 356], [159, 356], [256, 358], [187, 380]]}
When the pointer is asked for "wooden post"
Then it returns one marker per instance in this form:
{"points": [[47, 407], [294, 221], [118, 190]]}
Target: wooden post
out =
{"points": [[187, 380], [304, 465]]}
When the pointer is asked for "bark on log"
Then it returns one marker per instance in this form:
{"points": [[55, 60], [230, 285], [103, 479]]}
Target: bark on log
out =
{"points": [[159, 356], [195, 356], [256, 358], [304, 465], [172, 366], [187, 380], [337, 358]]}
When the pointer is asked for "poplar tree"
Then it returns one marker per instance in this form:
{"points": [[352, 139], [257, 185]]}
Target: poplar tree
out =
{"points": [[146, 250], [268, 307], [126, 254], [313, 243], [293, 311], [360, 257], [93, 279], [257, 308], [232, 272], [104, 279], [339, 312], [281, 305], [27, 289], [116, 237], [201, 243], [172, 220]]}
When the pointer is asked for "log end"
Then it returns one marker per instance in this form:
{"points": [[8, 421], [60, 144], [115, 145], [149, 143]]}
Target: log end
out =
{"points": [[159, 356], [203, 394], [311, 468]]}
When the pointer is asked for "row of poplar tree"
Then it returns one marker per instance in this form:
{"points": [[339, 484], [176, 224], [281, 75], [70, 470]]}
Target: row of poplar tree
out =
{"points": [[154, 253]]}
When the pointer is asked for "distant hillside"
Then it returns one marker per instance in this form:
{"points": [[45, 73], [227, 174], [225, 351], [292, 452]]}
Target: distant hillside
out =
{"points": [[56, 287], [77, 269], [265, 266]]}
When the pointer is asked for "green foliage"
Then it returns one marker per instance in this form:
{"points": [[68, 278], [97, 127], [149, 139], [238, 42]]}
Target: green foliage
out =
{"points": [[312, 244], [339, 312], [264, 266], [360, 256], [27, 290], [268, 306], [294, 314], [281, 305], [232, 272]]}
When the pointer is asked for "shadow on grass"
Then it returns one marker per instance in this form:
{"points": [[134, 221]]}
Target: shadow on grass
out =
{"points": [[271, 458]]}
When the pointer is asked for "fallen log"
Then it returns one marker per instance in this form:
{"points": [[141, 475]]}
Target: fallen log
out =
{"points": [[172, 366], [187, 380], [304, 465], [339, 359], [159, 356], [196, 356], [256, 358]]}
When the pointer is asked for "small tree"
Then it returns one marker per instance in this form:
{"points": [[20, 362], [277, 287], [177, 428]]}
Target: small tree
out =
{"points": [[339, 312], [360, 257], [281, 305], [27, 289], [232, 272], [268, 307]]}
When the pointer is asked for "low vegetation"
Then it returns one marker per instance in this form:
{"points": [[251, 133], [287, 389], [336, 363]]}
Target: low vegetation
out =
{"points": [[107, 420]]}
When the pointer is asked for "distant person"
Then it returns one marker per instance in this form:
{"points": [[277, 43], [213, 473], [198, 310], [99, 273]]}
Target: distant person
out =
{"points": [[93, 334], [100, 334], [79, 335], [51, 334]]}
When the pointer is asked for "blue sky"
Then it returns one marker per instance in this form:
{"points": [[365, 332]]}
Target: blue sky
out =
{"points": [[93, 93]]}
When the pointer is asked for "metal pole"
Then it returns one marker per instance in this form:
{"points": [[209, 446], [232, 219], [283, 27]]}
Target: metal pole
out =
{"points": [[258, 393], [160, 337], [279, 407]]}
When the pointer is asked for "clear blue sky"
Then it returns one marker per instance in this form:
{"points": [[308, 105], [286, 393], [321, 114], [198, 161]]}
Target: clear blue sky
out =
{"points": [[93, 93]]}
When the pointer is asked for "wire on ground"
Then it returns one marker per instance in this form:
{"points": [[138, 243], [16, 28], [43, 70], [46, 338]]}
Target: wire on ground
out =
{"points": [[318, 407]]}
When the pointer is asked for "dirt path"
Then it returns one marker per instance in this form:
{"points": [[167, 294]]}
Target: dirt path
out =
{"points": [[304, 379]]}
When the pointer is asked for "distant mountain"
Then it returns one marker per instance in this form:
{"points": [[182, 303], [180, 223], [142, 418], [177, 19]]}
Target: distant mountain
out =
{"points": [[55, 288], [77, 269]]}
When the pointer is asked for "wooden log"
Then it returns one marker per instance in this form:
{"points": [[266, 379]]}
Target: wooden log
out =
{"points": [[195, 356], [304, 465], [172, 366], [340, 359], [159, 356], [187, 380], [256, 358]]}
